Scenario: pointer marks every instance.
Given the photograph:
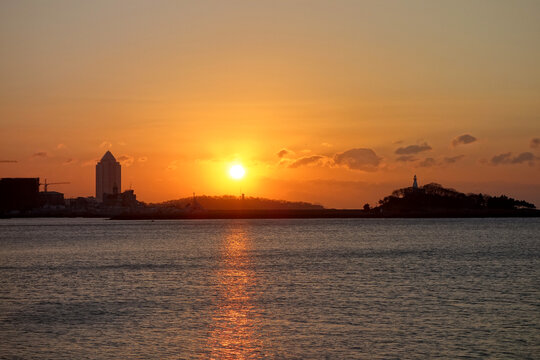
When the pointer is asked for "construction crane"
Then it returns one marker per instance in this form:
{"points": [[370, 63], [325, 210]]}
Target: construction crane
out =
{"points": [[46, 184]]}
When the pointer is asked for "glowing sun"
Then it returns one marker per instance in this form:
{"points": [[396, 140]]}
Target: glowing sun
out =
{"points": [[237, 171]]}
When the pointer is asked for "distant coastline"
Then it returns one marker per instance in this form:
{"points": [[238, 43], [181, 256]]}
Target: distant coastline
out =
{"points": [[327, 214], [429, 201], [293, 214]]}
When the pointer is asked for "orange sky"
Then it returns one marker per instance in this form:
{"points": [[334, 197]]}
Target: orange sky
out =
{"points": [[361, 95]]}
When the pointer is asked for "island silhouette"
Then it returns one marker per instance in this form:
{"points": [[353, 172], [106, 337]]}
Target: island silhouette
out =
{"points": [[231, 202], [435, 197], [430, 200]]}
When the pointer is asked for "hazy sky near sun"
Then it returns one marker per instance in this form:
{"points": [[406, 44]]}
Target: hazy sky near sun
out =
{"points": [[335, 102]]}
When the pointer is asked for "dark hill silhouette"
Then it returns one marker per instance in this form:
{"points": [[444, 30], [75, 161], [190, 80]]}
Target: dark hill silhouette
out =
{"points": [[429, 201], [435, 197], [229, 202]]}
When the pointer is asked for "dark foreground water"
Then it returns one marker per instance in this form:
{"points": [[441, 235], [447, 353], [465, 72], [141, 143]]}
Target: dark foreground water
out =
{"points": [[234, 289]]}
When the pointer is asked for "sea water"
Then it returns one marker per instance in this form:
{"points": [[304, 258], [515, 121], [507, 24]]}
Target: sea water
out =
{"points": [[294, 289]]}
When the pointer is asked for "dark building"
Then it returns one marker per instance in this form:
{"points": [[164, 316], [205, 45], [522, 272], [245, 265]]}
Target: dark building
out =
{"points": [[129, 198], [125, 199], [82, 204], [51, 199], [20, 194]]}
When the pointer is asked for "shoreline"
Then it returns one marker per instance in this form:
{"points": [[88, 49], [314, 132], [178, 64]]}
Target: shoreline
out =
{"points": [[288, 214], [326, 214]]}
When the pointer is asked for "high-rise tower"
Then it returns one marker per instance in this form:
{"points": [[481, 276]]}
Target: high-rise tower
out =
{"points": [[108, 176], [415, 183]]}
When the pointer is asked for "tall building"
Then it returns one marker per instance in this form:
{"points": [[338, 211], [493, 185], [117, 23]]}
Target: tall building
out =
{"points": [[415, 183], [108, 176]]}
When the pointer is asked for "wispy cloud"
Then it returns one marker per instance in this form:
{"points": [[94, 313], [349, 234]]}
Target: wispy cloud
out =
{"points": [[453, 159], [69, 161], [105, 145], [507, 158], [427, 162], [142, 159], [535, 143], [358, 159], [283, 152], [308, 160], [89, 162], [463, 140], [353, 159], [173, 165], [525, 157], [8, 161], [61, 146], [126, 160], [501, 159], [413, 149], [40, 154], [405, 158]]}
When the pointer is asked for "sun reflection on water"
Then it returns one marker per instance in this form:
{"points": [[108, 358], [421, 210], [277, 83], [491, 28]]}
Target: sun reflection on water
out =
{"points": [[234, 333]]}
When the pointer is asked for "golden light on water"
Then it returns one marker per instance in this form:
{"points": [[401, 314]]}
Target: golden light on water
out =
{"points": [[234, 329]]}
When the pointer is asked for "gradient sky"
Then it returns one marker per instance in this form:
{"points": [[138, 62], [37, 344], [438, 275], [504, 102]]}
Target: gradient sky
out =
{"points": [[333, 102]]}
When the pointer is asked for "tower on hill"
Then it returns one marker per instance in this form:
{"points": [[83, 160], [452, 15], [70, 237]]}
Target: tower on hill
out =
{"points": [[415, 184], [108, 176]]}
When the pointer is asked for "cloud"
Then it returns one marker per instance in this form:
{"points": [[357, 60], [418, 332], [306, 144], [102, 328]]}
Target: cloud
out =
{"points": [[281, 153], [284, 162], [453, 159], [173, 165], [427, 162], [535, 143], [507, 158], [69, 161], [308, 160], [126, 160], [61, 146], [105, 145], [142, 159], [501, 159], [405, 158], [524, 157], [328, 145], [41, 154], [358, 159], [8, 161], [463, 139], [90, 162], [413, 149]]}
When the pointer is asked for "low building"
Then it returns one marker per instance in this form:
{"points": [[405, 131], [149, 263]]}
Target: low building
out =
{"points": [[126, 199], [52, 199], [19, 194], [82, 204]]}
